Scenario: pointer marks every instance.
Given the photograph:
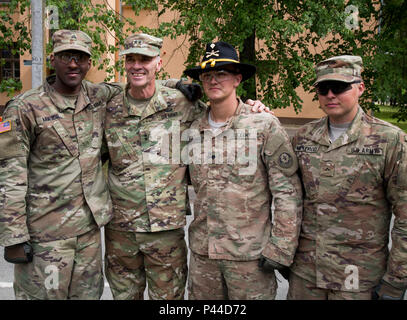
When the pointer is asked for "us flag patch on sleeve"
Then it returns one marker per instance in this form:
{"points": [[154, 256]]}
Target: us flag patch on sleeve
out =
{"points": [[5, 126]]}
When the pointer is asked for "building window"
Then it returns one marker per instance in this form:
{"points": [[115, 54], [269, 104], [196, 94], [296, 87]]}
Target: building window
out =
{"points": [[10, 66]]}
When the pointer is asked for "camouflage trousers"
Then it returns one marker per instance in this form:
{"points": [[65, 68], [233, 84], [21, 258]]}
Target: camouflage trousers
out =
{"points": [[301, 289], [156, 258], [62, 269], [211, 279]]}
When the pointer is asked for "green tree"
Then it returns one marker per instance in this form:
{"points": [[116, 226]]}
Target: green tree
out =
{"points": [[389, 66], [9, 27], [283, 38]]}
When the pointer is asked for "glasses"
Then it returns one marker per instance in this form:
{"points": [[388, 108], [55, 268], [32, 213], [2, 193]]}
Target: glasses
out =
{"points": [[66, 57], [336, 87], [219, 76]]}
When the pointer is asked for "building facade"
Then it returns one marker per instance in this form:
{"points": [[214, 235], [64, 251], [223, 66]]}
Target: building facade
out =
{"points": [[174, 53]]}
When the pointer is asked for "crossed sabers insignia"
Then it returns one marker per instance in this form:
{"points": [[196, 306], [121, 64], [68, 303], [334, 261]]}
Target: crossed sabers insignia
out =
{"points": [[212, 53]]}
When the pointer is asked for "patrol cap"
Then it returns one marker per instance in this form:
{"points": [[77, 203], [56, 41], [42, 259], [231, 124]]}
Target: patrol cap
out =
{"points": [[71, 40], [341, 68], [142, 43]]}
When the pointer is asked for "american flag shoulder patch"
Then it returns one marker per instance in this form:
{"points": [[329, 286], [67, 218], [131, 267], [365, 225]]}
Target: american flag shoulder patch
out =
{"points": [[5, 126]]}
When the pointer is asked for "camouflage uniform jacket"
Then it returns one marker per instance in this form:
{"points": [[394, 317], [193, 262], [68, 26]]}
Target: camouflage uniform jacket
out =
{"points": [[352, 186], [232, 209], [51, 181], [147, 179]]}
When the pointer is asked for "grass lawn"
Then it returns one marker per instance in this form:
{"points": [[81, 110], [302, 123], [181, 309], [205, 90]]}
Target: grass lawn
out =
{"points": [[386, 113]]}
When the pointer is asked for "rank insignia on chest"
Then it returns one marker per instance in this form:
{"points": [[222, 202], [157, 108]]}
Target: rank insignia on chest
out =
{"points": [[309, 149], [327, 168], [5, 126]]}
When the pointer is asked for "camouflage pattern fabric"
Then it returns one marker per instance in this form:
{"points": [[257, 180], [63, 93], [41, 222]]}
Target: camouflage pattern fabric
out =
{"points": [[71, 40], [232, 209], [62, 269], [352, 187], [158, 257], [51, 181], [301, 289], [143, 44], [146, 180], [148, 185], [341, 68], [212, 279]]}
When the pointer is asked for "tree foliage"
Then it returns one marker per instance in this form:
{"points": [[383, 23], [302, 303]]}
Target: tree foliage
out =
{"points": [[389, 58], [283, 38], [10, 26]]}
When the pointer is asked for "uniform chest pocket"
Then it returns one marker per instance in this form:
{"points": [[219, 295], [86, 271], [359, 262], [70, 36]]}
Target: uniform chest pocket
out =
{"points": [[123, 148], [163, 142], [65, 137], [238, 173], [54, 143], [362, 177]]}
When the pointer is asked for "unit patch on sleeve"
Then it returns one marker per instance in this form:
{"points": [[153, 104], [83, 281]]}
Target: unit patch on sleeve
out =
{"points": [[285, 160]]}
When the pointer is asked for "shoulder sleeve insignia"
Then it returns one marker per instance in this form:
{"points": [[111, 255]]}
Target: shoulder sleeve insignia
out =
{"points": [[285, 160]]}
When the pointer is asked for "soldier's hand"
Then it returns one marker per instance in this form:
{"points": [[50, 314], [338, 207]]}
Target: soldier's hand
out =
{"points": [[18, 253], [268, 265], [258, 106], [191, 91], [385, 291]]}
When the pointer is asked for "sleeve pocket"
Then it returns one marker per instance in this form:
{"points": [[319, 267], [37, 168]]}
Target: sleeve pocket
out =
{"points": [[10, 144]]}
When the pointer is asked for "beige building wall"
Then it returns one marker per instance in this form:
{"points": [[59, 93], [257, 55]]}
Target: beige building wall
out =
{"points": [[174, 53], [310, 108]]}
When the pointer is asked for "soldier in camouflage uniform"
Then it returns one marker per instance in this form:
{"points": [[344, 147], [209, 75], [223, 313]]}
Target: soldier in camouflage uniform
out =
{"points": [[354, 172], [235, 247], [53, 194], [145, 239]]}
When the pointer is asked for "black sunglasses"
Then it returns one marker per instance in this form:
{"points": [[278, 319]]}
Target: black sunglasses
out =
{"points": [[337, 87]]}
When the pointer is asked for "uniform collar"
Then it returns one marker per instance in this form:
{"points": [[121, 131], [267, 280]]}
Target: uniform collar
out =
{"points": [[156, 104], [321, 133], [204, 123], [82, 102]]}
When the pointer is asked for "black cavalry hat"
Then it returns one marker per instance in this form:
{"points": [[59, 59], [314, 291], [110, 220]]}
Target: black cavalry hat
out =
{"points": [[220, 54]]}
